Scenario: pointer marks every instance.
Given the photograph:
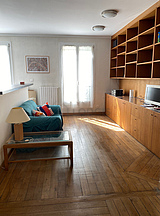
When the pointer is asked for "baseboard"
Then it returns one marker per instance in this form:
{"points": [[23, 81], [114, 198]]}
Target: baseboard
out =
{"points": [[83, 113]]}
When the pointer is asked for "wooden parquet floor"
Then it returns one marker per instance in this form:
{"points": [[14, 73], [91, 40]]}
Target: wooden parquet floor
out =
{"points": [[113, 174]]}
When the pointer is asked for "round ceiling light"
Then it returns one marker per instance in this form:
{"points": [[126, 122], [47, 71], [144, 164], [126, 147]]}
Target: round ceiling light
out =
{"points": [[109, 13], [98, 28]]}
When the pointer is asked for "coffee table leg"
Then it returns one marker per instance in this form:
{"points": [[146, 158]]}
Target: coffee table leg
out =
{"points": [[71, 153], [5, 158]]}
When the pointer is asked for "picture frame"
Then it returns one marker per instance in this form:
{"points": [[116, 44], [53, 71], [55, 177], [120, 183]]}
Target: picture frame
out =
{"points": [[37, 64]]}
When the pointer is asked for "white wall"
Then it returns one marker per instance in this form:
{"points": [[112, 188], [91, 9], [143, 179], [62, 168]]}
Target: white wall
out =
{"points": [[7, 102], [50, 46]]}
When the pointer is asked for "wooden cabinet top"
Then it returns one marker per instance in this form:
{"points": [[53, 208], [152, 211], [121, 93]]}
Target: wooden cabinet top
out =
{"points": [[135, 101]]}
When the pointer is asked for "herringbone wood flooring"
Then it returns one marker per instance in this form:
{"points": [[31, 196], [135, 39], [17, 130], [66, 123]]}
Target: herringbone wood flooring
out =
{"points": [[113, 174]]}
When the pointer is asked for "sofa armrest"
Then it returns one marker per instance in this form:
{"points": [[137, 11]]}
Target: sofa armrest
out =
{"points": [[56, 109]]}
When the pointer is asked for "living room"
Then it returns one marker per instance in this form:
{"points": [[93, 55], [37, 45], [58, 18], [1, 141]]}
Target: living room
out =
{"points": [[93, 195]]}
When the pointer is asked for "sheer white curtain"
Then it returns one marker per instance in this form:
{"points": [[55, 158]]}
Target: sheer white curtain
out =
{"points": [[69, 74], [77, 70], [85, 74], [5, 66]]}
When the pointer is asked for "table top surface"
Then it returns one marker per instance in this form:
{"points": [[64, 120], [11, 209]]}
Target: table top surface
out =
{"points": [[42, 137]]}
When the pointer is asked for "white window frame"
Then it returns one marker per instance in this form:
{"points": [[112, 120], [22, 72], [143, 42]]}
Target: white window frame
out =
{"points": [[8, 44], [60, 55]]}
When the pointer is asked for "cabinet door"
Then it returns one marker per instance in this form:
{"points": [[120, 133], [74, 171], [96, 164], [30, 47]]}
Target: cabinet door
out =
{"points": [[155, 148], [125, 115], [114, 109], [108, 105], [136, 127], [118, 110], [136, 110], [146, 128], [120, 114], [136, 114]]}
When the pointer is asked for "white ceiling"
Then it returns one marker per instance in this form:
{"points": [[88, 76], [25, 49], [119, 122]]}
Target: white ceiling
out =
{"points": [[66, 17]]}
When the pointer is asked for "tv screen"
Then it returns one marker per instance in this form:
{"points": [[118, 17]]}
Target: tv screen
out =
{"points": [[152, 95]]}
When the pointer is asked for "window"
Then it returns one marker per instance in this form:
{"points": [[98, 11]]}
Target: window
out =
{"points": [[5, 65], [77, 70]]}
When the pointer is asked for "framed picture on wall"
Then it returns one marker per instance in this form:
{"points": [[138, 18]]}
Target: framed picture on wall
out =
{"points": [[37, 64]]}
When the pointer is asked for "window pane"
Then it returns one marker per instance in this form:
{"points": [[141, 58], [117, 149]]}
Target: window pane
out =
{"points": [[5, 73], [85, 73], [69, 74]]}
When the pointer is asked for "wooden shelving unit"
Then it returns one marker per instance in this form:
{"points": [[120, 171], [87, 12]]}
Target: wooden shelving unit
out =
{"points": [[135, 49]]}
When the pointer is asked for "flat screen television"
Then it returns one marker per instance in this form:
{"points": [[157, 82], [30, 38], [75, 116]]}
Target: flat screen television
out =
{"points": [[152, 95]]}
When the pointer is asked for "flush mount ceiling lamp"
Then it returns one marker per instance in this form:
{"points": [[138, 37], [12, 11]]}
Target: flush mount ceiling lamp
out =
{"points": [[109, 13], [98, 28]]}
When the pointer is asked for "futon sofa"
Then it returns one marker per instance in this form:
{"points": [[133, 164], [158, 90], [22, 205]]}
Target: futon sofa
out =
{"points": [[42, 123]]}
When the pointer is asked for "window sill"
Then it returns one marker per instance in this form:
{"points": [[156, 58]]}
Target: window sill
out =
{"points": [[13, 88]]}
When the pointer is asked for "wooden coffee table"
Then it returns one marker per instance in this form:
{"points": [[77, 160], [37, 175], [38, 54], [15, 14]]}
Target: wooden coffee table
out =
{"points": [[39, 140]]}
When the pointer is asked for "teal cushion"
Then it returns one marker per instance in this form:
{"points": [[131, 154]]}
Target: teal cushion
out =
{"points": [[28, 106]]}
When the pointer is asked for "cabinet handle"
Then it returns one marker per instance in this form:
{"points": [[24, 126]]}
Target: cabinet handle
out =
{"points": [[135, 108], [155, 116], [151, 114], [135, 119]]}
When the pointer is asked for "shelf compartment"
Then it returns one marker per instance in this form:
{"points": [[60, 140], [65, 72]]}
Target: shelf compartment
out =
{"points": [[121, 60], [114, 42], [132, 32], [113, 63], [133, 39], [113, 72], [120, 72], [145, 55], [144, 70], [146, 47], [156, 70], [146, 24], [157, 32], [121, 39], [158, 16], [147, 32], [157, 52], [131, 46], [130, 70], [145, 40], [113, 53], [121, 49], [131, 58]]}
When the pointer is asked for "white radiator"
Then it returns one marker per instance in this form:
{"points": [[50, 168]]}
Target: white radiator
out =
{"points": [[48, 94]]}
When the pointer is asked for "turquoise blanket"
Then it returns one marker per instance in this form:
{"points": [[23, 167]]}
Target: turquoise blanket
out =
{"points": [[42, 123]]}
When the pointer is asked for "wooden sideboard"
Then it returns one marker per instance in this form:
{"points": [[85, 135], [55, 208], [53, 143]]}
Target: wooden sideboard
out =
{"points": [[142, 123]]}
